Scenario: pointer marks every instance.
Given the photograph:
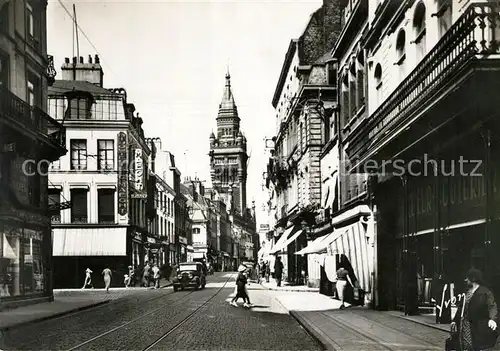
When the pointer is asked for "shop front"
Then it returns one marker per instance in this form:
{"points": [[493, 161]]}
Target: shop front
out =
{"points": [[436, 226], [25, 256]]}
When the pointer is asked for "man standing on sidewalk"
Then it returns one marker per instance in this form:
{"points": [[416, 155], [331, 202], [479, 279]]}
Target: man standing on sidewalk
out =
{"points": [[156, 276], [278, 270]]}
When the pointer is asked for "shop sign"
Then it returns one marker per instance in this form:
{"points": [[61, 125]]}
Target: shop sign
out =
{"points": [[122, 174], [139, 196], [461, 199], [139, 170]]}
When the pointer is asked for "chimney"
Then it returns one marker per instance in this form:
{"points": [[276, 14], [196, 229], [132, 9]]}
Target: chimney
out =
{"points": [[78, 70]]}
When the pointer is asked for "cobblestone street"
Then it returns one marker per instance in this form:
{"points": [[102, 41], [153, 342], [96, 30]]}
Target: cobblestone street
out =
{"points": [[145, 319], [184, 320]]}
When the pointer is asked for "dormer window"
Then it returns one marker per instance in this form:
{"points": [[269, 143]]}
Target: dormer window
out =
{"points": [[79, 106], [419, 30]]}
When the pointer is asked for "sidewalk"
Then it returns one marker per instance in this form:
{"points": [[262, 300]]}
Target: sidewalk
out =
{"points": [[358, 328], [287, 287], [66, 301]]}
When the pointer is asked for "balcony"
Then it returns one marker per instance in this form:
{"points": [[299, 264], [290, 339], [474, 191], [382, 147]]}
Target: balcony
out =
{"points": [[20, 115], [467, 47]]}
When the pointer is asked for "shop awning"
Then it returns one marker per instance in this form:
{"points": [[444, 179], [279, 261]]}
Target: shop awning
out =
{"points": [[89, 242], [281, 240], [292, 235], [352, 242], [361, 210], [315, 246]]}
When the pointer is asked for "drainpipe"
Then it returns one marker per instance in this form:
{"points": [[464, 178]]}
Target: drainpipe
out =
{"points": [[489, 203]]}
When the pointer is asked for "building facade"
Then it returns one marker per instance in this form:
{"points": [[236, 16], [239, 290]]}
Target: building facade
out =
{"points": [[30, 140], [432, 66], [304, 100], [105, 178]]}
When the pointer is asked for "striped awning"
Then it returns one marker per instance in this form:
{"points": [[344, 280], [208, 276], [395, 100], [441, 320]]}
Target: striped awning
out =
{"points": [[352, 242], [314, 246], [293, 233], [281, 240], [90, 241]]}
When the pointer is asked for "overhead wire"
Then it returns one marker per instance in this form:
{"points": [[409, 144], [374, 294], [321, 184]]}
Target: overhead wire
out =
{"points": [[86, 37]]}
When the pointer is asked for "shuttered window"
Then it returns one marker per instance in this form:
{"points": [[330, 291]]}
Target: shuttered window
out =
{"points": [[79, 206], [106, 206]]}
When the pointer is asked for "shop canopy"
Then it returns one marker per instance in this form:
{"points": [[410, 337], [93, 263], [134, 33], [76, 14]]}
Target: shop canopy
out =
{"points": [[285, 240], [316, 246]]}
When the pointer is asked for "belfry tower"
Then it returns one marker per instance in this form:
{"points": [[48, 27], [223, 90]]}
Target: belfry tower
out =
{"points": [[228, 154]]}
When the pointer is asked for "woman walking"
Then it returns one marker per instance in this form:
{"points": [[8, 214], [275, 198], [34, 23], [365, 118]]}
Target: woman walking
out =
{"points": [[107, 278], [475, 321], [88, 278], [342, 279], [241, 291]]}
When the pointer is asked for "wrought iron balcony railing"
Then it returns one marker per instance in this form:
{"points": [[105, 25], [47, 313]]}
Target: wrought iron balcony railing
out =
{"points": [[31, 118], [475, 33]]}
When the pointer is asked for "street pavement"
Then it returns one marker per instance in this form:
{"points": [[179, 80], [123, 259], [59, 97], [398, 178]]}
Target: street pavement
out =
{"points": [[164, 320]]}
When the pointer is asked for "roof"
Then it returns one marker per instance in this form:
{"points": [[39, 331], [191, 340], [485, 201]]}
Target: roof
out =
{"points": [[324, 59], [227, 107], [61, 87], [292, 47]]}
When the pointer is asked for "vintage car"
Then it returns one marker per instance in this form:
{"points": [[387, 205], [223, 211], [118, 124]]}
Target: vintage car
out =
{"points": [[190, 274]]}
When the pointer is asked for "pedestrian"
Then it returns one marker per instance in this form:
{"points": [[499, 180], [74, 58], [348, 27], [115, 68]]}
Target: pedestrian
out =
{"points": [[241, 291], [257, 272], [131, 275], [88, 279], [156, 276], [342, 279], [475, 322], [126, 281], [146, 275], [107, 278], [278, 270]]}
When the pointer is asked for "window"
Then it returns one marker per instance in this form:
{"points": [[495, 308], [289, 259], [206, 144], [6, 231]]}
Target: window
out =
{"points": [[106, 206], [401, 53], [196, 230], [78, 108], [33, 23], [79, 206], [378, 82], [419, 31], [4, 70], [33, 90], [444, 16], [345, 101], [105, 154], [54, 196], [332, 74], [78, 154]]}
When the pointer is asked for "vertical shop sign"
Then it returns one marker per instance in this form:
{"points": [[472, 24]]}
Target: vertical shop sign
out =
{"points": [[122, 174], [139, 170]]}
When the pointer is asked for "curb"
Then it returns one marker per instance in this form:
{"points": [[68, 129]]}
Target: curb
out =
{"points": [[323, 343], [288, 290], [53, 316], [437, 326]]}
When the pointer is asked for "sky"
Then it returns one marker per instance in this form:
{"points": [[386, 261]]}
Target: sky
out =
{"points": [[172, 57]]}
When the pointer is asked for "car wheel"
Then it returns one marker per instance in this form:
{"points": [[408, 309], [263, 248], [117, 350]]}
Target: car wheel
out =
{"points": [[176, 288]]}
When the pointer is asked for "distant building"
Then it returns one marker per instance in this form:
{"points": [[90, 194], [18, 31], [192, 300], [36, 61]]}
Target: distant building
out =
{"points": [[29, 140]]}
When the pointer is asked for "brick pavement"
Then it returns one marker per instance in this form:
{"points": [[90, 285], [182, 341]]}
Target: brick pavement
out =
{"points": [[358, 328], [65, 301]]}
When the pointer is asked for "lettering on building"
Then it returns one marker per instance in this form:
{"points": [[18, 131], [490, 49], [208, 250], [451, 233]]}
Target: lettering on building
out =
{"points": [[122, 174], [139, 170]]}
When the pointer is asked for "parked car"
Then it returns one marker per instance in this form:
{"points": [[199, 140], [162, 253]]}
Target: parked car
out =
{"points": [[190, 274]]}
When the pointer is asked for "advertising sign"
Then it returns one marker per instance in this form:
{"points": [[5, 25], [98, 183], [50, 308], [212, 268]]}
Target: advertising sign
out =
{"points": [[139, 170]]}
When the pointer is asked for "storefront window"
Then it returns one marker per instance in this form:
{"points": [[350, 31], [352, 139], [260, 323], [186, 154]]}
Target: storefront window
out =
{"points": [[10, 261], [33, 278]]}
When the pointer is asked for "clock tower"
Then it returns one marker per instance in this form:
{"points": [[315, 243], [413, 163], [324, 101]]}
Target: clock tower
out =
{"points": [[228, 154]]}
